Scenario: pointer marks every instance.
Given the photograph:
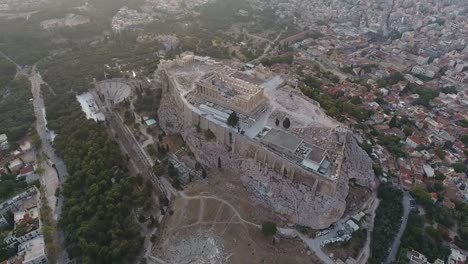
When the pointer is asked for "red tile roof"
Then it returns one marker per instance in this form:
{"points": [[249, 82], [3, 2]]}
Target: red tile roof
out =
{"points": [[27, 169]]}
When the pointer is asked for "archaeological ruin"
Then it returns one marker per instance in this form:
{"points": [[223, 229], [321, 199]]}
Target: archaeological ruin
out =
{"points": [[301, 171]]}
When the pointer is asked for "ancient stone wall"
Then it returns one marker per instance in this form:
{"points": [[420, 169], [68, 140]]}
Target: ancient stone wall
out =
{"points": [[245, 147], [299, 195]]}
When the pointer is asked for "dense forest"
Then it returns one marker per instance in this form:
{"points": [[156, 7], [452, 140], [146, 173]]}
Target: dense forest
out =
{"points": [[387, 222], [16, 111], [97, 215]]}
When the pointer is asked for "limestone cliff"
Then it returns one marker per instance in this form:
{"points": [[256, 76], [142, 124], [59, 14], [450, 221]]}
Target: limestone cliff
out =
{"points": [[357, 164]]}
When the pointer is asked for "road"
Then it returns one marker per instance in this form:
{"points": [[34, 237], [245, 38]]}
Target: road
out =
{"points": [[11, 60], [326, 65], [267, 49], [365, 253], [259, 37], [396, 242], [55, 175], [315, 244]]}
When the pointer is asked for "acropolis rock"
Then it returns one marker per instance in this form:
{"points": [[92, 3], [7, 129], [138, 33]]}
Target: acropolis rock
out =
{"points": [[301, 172]]}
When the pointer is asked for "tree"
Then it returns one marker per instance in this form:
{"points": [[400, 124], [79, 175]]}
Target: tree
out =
{"points": [[204, 174], [233, 120], [459, 167], [171, 170], [151, 150], [40, 171], [440, 153], [176, 183], [269, 229], [219, 162], [393, 122], [356, 100], [422, 196], [36, 141], [158, 170], [209, 135], [408, 131], [286, 123], [139, 179], [198, 166], [386, 223], [464, 139]]}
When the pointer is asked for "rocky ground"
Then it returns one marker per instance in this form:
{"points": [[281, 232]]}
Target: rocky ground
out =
{"points": [[218, 221]]}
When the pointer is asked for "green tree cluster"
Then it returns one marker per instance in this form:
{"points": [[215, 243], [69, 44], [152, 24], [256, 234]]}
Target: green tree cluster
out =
{"points": [[269, 229], [233, 120], [288, 59], [17, 115], [392, 143], [97, 214], [434, 211], [335, 106], [387, 222], [428, 241], [10, 186]]}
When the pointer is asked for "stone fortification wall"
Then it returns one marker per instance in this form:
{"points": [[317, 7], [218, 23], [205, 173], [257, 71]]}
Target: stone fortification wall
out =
{"points": [[300, 196], [245, 147]]}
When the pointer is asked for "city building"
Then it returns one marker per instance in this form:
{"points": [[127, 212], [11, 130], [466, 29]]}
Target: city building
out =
{"points": [[456, 257], [33, 251], [4, 142], [16, 165], [416, 258], [28, 174]]}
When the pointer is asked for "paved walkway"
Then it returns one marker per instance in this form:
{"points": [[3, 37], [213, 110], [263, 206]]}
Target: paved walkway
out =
{"points": [[51, 180]]}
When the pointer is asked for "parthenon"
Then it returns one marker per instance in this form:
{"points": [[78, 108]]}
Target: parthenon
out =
{"points": [[230, 92]]}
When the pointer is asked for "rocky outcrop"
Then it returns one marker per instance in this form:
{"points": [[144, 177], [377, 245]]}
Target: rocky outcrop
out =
{"points": [[316, 202], [357, 164], [298, 203]]}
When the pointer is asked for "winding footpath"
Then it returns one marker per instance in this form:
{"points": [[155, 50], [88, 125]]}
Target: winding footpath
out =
{"points": [[313, 244]]}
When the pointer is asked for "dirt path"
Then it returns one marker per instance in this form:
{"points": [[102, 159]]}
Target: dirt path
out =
{"points": [[236, 213]]}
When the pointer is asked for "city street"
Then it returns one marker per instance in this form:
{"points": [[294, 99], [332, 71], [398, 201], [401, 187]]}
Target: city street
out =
{"points": [[55, 170]]}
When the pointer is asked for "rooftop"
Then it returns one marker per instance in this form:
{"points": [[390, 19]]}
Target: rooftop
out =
{"points": [[308, 155], [282, 139], [27, 169], [26, 221], [32, 249]]}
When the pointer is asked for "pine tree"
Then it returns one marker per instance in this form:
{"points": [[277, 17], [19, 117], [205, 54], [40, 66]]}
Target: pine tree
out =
{"points": [[286, 123], [233, 119], [393, 122]]}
